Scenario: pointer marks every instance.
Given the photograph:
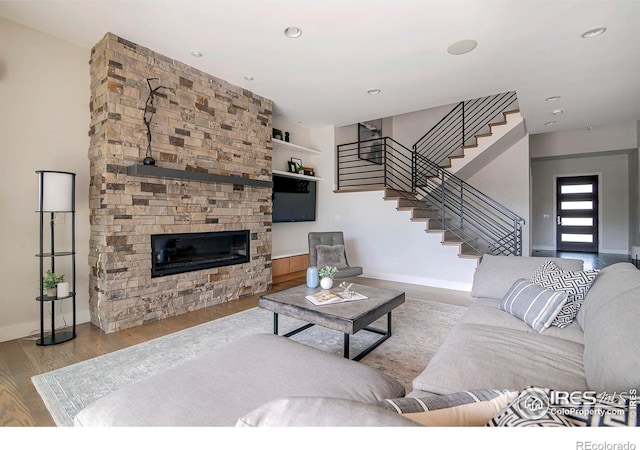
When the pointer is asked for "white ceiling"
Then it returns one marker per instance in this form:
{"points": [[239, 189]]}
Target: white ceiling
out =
{"points": [[398, 46]]}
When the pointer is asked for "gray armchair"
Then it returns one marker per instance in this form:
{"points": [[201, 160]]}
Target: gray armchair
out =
{"points": [[330, 254]]}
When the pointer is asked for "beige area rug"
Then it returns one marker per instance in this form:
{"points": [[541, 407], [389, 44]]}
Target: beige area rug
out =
{"points": [[419, 328]]}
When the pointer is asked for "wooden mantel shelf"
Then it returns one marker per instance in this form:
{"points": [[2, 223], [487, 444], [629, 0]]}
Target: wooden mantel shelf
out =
{"points": [[162, 172]]}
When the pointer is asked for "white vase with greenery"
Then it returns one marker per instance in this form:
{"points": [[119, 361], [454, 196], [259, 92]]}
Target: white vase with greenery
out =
{"points": [[326, 275]]}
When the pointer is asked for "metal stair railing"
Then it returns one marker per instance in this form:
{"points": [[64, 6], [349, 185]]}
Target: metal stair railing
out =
{"points": [[461, 125], [374, 163], [478, 220]]}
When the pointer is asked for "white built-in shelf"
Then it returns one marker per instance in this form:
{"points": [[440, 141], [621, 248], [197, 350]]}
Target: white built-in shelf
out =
{"points": [[295, 175], [279, 144]]}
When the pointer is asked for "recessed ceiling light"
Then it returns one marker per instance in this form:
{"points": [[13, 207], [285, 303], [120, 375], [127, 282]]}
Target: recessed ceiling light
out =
{"points": [[248, 78], [552, 99], [293, 32], [550, 123], [557, 112], [593, 32], [374, 91], [462, 47], [196, 53]]}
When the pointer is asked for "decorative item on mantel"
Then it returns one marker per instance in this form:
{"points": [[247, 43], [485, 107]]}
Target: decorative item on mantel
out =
{"points": [[326, 275], [286, 136], [149, 111], [277, 134]]}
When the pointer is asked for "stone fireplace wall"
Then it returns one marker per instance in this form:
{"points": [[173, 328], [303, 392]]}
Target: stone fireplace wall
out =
{"points": [[201, 125]]}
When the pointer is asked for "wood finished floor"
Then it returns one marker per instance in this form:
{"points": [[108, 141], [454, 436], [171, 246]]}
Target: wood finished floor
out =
{"points": [[20, 359]]}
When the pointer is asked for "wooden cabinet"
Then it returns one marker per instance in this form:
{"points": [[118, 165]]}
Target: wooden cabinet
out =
{"points": [[289, 267]]}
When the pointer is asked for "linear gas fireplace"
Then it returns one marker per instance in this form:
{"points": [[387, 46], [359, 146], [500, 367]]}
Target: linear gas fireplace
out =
{"points": [[186, 252]]}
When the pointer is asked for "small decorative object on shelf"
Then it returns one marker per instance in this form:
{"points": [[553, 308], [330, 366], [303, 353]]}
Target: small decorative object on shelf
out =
{"points": [[312, 277], [286, 136], [298, 164], [63, 289], [50, 283], [309, 171], [292, 167], [326, 275], [347, 292], [149, 111], [277, 134]]}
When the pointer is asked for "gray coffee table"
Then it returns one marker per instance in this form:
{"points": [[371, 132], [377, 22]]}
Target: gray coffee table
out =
{"points": [[348, 317]]}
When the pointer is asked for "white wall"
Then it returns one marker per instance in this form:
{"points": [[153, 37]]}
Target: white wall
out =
{"points": [[380, 239], [44, 121], [613, 172], [506, 180], [612, 152], [408, 128], [581, 141]]}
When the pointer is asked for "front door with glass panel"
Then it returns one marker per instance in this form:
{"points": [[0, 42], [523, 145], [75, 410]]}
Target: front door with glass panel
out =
{"points": [[577, 214]]}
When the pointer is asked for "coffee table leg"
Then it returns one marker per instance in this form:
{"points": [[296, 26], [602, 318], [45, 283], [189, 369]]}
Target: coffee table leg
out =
{"points": [[275, 323], [386, 334], [346, 346]]}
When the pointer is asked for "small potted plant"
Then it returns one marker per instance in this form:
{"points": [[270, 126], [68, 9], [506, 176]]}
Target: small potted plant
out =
{"points": [[326, 275], [50, 283]]}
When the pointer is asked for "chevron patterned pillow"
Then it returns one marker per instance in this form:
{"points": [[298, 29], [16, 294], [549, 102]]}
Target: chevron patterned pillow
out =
{"points": [[575, 283]]}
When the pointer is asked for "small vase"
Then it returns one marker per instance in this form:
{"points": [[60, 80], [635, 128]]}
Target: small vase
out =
{"points": [[326, 283], [63, 289], [52, 292], [312, 277]]}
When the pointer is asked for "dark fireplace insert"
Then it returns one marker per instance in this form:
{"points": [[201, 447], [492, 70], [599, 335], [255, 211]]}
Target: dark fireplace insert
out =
{"points": [[186, 252]]}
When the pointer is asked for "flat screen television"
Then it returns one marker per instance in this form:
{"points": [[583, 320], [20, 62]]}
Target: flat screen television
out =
{"points": [[294, 200]]}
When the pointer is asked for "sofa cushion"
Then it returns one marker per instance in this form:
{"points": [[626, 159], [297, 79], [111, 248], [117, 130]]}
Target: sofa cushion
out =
{"points": [[611, 336], [331, 255], [495, 274], [576, 283], [537, 406], [321, 412], [222, 384], [530, 409], [485, 311], [477, 356], [533, 304], [611, 281], [468, 408]]}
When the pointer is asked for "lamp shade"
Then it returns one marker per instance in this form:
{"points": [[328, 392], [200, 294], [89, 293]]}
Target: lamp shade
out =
{"points": [[56, 190]]}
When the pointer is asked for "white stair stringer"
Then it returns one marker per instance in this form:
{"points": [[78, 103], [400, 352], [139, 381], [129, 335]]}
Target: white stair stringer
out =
{"points": [[489, 146]]}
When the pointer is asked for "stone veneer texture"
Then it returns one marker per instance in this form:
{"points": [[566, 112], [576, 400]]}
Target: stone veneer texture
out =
{"points": [[201, 123]]}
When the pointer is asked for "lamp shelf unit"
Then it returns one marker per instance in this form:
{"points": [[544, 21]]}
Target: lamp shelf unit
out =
{"points": [[57, 196]]}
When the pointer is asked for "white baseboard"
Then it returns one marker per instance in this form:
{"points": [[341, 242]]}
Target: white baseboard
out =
{"points": [[615, 252], [31, 329], [543, 248], [444, 284]]}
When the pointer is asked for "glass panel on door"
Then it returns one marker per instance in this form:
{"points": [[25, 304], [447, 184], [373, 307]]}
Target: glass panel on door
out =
{"points": [[577, 214]]}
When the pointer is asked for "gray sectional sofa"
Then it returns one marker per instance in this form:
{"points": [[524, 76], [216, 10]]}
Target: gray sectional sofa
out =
{"points": [[266, 380]]}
